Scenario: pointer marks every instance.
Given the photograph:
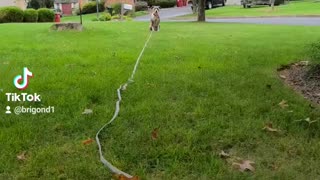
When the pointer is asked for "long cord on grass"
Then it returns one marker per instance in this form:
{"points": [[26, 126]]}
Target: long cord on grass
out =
{"points": [[122, 87]]}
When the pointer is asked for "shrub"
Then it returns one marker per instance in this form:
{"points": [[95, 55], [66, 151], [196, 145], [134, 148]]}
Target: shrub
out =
{"points": [[164, 3], [105, 17], [11, 14], [45, 15], [30, 15], [116, 8], [314, 52], [141, 6], [91, 7]]}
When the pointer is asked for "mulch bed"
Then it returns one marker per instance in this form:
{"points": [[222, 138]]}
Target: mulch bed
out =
{"points": [[303, 78]]}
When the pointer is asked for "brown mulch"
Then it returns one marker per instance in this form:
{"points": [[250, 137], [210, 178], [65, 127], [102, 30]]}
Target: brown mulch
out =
{"points": [[303, 78]]}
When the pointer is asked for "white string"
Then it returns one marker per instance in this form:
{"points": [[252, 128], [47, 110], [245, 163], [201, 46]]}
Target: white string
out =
{"points": [[112, 168]]}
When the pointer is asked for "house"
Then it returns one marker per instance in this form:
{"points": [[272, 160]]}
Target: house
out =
{"points": [[67, 6], [233, 2], [19, 3]]}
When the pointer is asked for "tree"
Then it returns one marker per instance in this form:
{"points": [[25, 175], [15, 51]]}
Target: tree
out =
{"points": [[201, 11], [36, 4]]}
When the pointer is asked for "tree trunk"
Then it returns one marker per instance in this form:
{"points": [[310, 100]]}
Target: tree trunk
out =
{"points": [[201, 11]]}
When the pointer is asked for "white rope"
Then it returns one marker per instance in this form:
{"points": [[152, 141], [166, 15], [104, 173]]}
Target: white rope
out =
{"points": [[112, 168]]}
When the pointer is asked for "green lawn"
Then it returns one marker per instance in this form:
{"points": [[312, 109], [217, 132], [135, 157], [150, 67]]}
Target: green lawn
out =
{"points": [[90, 17], [294, 8], [205, 93]]}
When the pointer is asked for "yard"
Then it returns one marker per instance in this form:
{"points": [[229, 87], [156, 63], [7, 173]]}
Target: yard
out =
{"points": [[292, 8], [206, 87]]}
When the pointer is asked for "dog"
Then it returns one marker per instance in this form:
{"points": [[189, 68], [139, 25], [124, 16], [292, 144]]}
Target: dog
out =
{"points": [[155, 19]]}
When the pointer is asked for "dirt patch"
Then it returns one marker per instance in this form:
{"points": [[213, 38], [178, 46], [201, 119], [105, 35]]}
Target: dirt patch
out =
{"points": [[303, 78]]}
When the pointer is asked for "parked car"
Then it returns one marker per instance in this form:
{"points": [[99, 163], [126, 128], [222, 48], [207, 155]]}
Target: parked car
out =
{"points": [[250, 3], [211, 3]]}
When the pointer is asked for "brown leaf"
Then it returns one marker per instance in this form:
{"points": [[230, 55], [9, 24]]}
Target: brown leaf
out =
{"points": [[268, 127], [22, 156], [223, 154], [154, 134], [245, 165], [283, 76], [283, 104], [87, 142], [123, 177]]}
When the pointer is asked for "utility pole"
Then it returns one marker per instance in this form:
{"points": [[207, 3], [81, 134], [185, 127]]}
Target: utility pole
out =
{"points": [[98, 1]]}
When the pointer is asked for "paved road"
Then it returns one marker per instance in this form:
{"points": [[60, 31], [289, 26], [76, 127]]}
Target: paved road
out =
{"points": [[168, 13]]}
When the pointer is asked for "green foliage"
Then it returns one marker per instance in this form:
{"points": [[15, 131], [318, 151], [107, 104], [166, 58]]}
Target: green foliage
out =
{"points": [[91, 7], [11, 14], [105, 17], [314, 52], [116, 8], [141, 6], [45, 15], [164, 3], [30, 15]]}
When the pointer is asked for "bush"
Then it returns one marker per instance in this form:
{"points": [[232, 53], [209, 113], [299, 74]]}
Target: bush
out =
{"points": [[30, 15], [11, 14], [314, 52], [164, 3], [116, 8], [45, 15], [141, 6], [105, 17], [91, 7]]}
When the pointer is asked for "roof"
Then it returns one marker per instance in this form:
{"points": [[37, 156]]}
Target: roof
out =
{"points": [[65, 1]]}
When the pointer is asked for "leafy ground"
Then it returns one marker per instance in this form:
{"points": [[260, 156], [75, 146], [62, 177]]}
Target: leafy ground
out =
{"points": [[294, 8], [206, 93]]}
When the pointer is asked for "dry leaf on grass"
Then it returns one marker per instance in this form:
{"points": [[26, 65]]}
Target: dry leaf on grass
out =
{"points": [[245, 165], [122, 177], [308, 120], [283, 76], [283, 104], [268, 127], [87, 142], [22, 156], [154, 134], [87, 111], [223, 154]]}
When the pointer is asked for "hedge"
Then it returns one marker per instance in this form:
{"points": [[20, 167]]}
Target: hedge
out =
{"points": [[30, 15], [162, 3], [141, 6], [45, 15], [91, 7], [11, 14]]}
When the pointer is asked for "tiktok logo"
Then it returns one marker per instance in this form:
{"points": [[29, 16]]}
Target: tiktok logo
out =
{"points": [[21, 82]]}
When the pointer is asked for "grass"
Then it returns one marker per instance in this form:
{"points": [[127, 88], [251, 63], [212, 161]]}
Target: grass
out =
{"points": [[294, 8], [90, 17], [205, 93]]}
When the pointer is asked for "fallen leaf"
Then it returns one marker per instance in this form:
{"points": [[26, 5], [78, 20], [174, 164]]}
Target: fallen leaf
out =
{"points": [[154, 134], [22, 156], [283, 104], [223, 154], [283, 76], [88, 141], [123, 177], [268, 127], [87, 111], [308, 120], [244, 165]]}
